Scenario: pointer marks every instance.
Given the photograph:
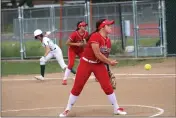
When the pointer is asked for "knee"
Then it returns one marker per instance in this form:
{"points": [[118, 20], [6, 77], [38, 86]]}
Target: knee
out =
{"points": [[63, 66], [76, 93], [76, 90], [108, 89], [42, 61], [106, 86]]}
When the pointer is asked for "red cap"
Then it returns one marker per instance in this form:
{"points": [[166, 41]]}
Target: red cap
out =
{"points": [[82, 24], [106, 22]]}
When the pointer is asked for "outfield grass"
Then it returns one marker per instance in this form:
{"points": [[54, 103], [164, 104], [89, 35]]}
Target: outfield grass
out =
{"points": [[144, 42], [12, 48], [31, 67], [34, 48], [24, 68]]}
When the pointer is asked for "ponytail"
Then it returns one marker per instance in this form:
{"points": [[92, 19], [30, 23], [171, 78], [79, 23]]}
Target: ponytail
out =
{"points": [[77, 29], [78, 25], [98, 23], [87, 39]]}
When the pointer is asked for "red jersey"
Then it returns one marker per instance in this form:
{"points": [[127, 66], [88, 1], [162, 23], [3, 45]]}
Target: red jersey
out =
{"points": [[76, 37], [104, 45]]}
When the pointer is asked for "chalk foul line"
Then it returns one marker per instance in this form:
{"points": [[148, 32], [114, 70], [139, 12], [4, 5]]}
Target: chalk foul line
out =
{"points": [[125, 76], [160, 110]]}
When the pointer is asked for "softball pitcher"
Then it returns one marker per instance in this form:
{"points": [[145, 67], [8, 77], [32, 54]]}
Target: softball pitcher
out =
{"points": [[51, 50], [107, 54], [111, 75], [76, 43], [93, 60]]}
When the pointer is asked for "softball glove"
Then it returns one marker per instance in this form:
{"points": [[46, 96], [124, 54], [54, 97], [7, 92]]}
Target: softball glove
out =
{"points": [[112, 79]]}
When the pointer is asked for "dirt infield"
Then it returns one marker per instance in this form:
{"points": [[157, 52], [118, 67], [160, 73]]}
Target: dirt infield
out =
{"points": [[139, 92]]}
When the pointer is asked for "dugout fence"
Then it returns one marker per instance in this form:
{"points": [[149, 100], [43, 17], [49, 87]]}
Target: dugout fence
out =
{"points": [[139, 29]]}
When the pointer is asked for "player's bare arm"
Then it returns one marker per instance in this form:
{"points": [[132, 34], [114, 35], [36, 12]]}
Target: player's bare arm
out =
{"points": [[70, 43], [84, 42], [47, 50], [100, 56]]}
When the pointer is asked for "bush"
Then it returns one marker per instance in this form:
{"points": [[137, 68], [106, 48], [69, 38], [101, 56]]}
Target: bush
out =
{"points": [[10, 49], [34, 48], [8, 28], [116, 47]]}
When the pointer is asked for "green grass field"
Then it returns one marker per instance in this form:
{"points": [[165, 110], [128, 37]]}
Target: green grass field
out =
{"points": [[17, 68], [24, 67], [34, 48]]}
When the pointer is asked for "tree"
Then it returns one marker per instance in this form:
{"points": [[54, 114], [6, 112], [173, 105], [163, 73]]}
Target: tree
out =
{"points": [[98, 1], [28, 2], [14, 4]]}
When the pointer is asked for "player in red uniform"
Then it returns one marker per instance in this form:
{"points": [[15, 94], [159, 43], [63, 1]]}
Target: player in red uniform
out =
{"points": [[93, 60], [107, 54], [76, 43]]}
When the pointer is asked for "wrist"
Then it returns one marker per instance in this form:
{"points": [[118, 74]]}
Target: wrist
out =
{"points": [[109, 62], [77, 44]]}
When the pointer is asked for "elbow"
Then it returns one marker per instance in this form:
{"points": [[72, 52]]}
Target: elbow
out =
{"points": [[67, 43], [48, 51]]}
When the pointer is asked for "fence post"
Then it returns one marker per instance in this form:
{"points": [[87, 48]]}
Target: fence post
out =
{"points": [[60, 22], [121, 20], [85, 12], [88, 16], [22, 21], [160, 28], [164, 27], [20, 29], [52, 16], [135, 27]]}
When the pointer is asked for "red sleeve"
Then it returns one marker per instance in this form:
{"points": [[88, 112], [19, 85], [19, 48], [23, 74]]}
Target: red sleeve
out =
{"points": [[72, 36], [94, 38]]}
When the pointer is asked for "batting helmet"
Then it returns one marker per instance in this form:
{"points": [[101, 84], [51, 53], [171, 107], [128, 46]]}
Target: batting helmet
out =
{"points": [[37, 32]]}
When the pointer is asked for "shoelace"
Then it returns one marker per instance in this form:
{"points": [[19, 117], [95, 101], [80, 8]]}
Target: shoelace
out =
{"points": [[66, 112], [120, 109], [64, 81]]}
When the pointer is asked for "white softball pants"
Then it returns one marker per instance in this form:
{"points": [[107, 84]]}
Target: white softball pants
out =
{"points": [[57, 53]]}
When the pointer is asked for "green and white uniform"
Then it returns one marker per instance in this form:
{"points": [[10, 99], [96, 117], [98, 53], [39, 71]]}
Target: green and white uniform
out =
{"points": [[55, 52]]}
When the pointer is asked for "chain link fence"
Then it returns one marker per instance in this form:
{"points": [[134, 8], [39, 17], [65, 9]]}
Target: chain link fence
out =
{"points": [[9, 49], [142, 21]]}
